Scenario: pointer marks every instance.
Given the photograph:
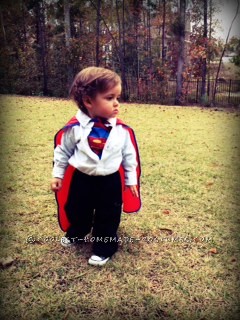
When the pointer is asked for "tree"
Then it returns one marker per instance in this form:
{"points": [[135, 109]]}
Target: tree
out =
{"points": [[223, 51], [67, 24], [204, 60], [180, 30], [98, 32], [234, 47], [46, 42], [163, 32], [39, 9], [67, 28], [3, 28], [121, 35]]}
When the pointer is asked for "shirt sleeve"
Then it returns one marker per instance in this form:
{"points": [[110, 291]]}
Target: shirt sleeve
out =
{"points": [[129, 162], [63, 152]]}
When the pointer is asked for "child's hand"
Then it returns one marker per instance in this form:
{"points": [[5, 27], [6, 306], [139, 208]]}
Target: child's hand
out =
{"points": [[134, 190], [56, 184]]}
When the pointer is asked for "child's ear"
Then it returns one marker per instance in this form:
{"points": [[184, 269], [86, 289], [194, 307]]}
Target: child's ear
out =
{"points": [[87, 102]]}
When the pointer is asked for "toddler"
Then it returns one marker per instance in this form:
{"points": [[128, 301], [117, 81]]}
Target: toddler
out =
{"points": [[96, 165]]}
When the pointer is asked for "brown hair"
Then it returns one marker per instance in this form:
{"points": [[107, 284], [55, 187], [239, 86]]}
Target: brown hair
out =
{"points": [[90, 81]]}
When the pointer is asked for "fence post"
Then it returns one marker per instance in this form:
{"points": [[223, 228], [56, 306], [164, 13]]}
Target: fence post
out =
{"points": [[229, 90], [197, 91]]}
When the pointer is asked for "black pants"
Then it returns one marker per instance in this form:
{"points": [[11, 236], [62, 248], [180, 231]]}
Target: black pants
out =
{"points": [[95, 202]]}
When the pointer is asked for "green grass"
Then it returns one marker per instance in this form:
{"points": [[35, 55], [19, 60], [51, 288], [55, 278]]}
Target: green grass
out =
{"points": [[186, 263]]}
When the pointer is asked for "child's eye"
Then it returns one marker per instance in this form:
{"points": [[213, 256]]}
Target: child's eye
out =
{"points": [[112, 98]]}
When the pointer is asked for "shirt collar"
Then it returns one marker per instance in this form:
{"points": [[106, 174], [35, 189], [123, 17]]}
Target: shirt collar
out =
{"points": [[85, 119], [112, 121]]}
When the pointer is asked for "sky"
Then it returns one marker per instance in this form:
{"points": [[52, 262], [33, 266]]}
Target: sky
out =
{"points": [[225, 16]]}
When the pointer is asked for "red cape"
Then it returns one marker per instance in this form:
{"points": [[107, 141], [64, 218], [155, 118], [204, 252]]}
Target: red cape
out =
{"points": [[130, 203]]}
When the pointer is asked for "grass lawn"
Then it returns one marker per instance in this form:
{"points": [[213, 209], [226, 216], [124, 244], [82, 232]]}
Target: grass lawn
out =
{"points": [[179, 256]]}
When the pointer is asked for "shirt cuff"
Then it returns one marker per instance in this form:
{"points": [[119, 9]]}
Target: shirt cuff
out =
{"points": [[131, 178], [58, 173]]}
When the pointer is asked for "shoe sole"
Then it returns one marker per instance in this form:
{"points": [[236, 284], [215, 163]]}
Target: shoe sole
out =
{"points": [[98, 263]]}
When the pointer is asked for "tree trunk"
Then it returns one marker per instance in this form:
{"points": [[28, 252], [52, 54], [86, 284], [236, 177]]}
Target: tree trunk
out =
{"points": [[3, 28], [163, 32], [178, 98], [98, 32], [149, 41], [208, 53], [137, 7], [41, 40], [24, 25], [121, 36], [204, 62], [123, 69], [67, 25], [67, 29], [224, 48]]}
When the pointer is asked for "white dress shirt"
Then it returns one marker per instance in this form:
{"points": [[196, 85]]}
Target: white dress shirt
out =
{"points": [[74, 150]]}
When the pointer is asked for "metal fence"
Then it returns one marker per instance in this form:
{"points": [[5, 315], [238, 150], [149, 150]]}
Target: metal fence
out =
{"points": [[164, 92]]}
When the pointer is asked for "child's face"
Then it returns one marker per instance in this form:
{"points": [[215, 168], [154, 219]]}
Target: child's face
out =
{"points": [[105, 105]]}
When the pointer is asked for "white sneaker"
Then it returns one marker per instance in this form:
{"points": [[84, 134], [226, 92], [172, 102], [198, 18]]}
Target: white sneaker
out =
{"points": [[67, 242], [98, 261]]}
